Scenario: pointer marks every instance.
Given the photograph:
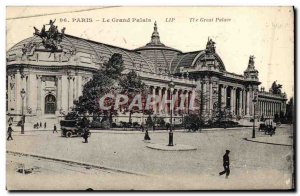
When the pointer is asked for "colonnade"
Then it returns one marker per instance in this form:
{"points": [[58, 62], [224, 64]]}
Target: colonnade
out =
{"points": [[269, 108], [237, 99], [181, 100]]}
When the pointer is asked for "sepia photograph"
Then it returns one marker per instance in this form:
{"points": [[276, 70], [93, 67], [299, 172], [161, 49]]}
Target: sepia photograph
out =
{"points": [[150, 98]]}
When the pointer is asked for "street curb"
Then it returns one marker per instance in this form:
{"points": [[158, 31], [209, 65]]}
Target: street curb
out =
{"points": [[164, 147], [250, 140], [78, 163]]}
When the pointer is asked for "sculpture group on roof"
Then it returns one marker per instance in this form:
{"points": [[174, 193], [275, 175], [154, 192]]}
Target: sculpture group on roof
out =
{"points": [[210, 46], [51, 37], [276, 88]]}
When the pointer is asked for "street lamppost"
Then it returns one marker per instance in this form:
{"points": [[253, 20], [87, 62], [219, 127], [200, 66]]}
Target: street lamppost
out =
{"points": [[171, 86], [22, 118], [254, 104]]}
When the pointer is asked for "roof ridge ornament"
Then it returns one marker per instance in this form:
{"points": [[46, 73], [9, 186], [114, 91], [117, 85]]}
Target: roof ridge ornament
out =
{"points": [[51, 37], [155, 39]]}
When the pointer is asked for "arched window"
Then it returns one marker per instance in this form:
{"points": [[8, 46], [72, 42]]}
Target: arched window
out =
{"points": [[50, 104]]}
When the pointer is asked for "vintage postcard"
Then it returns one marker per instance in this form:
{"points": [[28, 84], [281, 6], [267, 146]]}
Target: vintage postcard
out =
{"points": [[150, 98]]}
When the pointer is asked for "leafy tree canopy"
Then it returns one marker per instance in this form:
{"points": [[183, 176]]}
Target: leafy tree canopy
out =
{"points": [[103, 81]]}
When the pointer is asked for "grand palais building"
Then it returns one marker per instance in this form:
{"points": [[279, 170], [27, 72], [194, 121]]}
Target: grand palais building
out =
{"points": [[46, 73]]}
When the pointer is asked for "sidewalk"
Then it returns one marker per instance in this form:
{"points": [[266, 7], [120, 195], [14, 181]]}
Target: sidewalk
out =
{"points": [[122, 131]]}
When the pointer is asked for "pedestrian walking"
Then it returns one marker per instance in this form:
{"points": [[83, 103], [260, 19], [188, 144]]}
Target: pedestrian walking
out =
{"points": [[41, 124], [147, 135], [85, 135], [54, 129], [45, 125], [226, 164], [9, 131]]}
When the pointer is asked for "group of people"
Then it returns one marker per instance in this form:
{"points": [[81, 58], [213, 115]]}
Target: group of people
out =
{"points": [[39, 125]]}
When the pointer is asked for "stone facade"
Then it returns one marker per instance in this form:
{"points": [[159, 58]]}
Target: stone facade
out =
{"points": [[53, 72]]}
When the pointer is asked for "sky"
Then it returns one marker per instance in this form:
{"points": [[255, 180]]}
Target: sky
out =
{"points": [[265, 32]]}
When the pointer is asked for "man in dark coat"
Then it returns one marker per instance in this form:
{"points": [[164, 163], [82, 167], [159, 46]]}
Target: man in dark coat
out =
{"points": [[9, 131], [147, 135], [85, 134], [54, 129], [226, 164]]}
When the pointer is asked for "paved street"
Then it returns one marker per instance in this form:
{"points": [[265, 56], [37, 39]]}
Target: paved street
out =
{"points": [[252, 163]]}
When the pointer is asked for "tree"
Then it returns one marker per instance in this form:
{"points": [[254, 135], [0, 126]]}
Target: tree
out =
{"points": [[114, 67], [193, 121], [103, 82], [131, 84]]}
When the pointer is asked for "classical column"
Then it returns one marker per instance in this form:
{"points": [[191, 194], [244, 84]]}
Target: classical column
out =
{"points": [[240, 102], [153, 99], [210, 98], [186, 105], [279, 107], [251, 102], [58, 94], [79, 88], [223, 94], [26, 86], [9, 97], [18, 89], [39, 94], [32, 93], [266, 108], [164, 95], [248, 102], [75, 87], [272, 108], [244, 100], [64, 93], [192, 100], [175, 100], [234, 101], [269, 109], [203, 99], [160, 97], [70, 89], [231, 100], [262, 107]]}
